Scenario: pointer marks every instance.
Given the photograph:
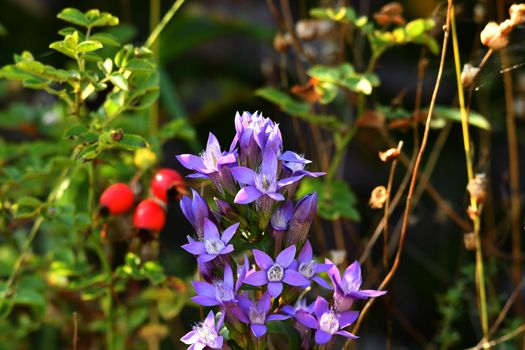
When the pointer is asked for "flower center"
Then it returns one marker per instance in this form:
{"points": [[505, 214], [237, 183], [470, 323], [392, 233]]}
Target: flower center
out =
{"points": [[207, 335], [213, 246], [222, 292], [329, 322], [275, 273], [257, 315], [307, 269]]}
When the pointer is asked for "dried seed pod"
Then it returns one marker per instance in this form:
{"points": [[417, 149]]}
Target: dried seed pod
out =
{"points": [[492, 37], [307, 91], [310, 29], [338, 257], [468, 74], [282, 42], [506, 27], [517, 14], [378, 197], [469, 239], [389, 14], [391, 153], [477, 187]]}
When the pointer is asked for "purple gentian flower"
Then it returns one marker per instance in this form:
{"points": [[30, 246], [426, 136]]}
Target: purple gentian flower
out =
{"points": [[212, 244], [295, 165], [256, 313], [307, 266], [210, 161], [195, 210], [347, 287], [205, 334], [300, 306], [281, 217], [220, 292], [275, 273], [303, 217], [260, 184], [327, 321], [255, 134]]}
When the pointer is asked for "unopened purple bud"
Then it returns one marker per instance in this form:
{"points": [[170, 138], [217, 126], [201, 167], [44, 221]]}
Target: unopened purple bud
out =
{"points": [[281, 218], [303, 217], [225, 209]]}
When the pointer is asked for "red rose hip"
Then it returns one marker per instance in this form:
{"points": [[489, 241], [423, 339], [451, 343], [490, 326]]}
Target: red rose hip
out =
{"points": [[149, 215], [164, 181], [116, 199]]}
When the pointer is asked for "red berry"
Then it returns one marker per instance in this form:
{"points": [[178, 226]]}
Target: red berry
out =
{"points": [[149, 215], [117, 199], [165, 180]]}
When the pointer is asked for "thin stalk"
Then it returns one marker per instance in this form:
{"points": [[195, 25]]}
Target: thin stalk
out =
{"points": [[514, 170], [154, 20], [386, 213], [417, 164], [480, 273], [165, 20]]}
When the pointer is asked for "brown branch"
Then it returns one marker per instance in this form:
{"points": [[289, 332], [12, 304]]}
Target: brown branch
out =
{"points": [[424, 141]]}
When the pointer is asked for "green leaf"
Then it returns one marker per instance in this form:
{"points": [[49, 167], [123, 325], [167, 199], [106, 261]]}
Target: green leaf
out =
{"points": [[102, 19], [344, 75], [74, 16], [454, 114], [336, 200], [343, 14], [89, 153], [88, 46], [140, 65], [106, 39], [147, 99], [299, 109], [106, 66], [178, 128], [283, 100], [3, 31], [154, 272], [119, 81], [132, 142], [75, 132], [287, 331], [114, 104], [27, 207]]}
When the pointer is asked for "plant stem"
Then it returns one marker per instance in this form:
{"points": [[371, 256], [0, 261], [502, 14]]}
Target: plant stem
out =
{"points": [[154, 20], [480, 273], [417, 164], [165, 20]]}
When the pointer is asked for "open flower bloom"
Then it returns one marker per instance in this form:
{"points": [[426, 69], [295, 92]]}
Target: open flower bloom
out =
{"points": [[263, 183], [347, 287], [307, 266], [274, 274], [256, 313], [296, 164], [210, 161], [220, 292], [327, 321], [195, 210], [205, 334], [212, 244]]}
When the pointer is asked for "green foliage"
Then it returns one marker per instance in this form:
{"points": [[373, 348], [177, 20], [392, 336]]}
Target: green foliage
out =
{"points": [[49, 185], [344, 76], [336, 199]]}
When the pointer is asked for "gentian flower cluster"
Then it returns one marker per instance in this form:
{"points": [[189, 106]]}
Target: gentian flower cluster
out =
{"points": [[255, 262]]}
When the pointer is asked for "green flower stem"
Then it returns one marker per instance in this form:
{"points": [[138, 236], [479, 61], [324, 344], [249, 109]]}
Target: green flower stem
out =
{"points": [[165, 20], [154, 17], [480, 273]]}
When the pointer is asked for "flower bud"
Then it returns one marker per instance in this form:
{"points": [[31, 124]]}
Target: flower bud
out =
{"points": [[470, 241], [303, 217], [477, 187], [468, 74], [378, 197], [492, 36]]}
